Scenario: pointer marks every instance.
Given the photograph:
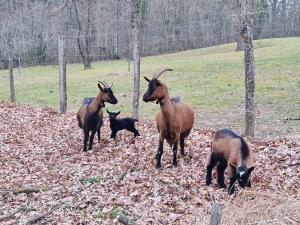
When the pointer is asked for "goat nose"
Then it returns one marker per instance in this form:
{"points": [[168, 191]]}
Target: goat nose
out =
{"points": [[145, 98]]}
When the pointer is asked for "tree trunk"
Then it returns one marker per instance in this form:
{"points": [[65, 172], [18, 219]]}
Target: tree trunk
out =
{"points": [[239, 17], [62, 76], [136, 56], [11, 79], [85, 56], [88, 61], [247, 34]]}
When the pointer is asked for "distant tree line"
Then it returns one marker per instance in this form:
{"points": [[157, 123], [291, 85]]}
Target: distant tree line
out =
{"points": [[99, 30]]}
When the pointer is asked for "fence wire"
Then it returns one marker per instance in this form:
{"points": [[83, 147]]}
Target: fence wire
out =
{"points": [[209, 79]]}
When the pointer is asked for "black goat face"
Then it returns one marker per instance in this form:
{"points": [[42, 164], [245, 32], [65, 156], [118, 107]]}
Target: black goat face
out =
{"points": [[111, 97], [243, 175], [113, 115], [108, 95], [152, 91]]}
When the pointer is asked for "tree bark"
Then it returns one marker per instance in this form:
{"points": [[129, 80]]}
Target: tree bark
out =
{"points": [[136, 56], [247, 35]]}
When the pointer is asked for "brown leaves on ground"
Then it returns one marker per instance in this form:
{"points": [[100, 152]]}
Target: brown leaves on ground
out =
{"points": [[41, 148]]}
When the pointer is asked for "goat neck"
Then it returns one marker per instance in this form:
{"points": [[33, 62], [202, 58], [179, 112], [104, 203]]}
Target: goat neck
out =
{"points": [[96, 104], [166, 106]]}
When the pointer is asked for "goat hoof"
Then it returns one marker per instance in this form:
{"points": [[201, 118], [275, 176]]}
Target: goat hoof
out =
{"points": [[175, 164], [230, 191], [221, 186], [158, 166], [208, 182]]}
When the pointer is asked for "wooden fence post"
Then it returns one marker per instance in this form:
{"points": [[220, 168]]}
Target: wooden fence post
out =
{"points": [[62, 76], [247, 35], [11, 79], [136, 56], [216, 214]]}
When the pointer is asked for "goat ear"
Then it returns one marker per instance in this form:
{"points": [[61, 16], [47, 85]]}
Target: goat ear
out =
{"points": [[118, 112], [101, 89], [250, 169], [147, 79]]}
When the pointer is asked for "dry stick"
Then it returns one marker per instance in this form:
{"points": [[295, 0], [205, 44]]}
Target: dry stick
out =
{"points": [[42, 216], [123, 175], [27, 190], [125, 220], [216, 214]]}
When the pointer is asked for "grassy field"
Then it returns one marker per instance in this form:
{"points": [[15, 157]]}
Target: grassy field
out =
{"points": [[210, 79]]}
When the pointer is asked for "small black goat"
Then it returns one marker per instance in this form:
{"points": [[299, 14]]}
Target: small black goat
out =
{"points": [[121, 124]]}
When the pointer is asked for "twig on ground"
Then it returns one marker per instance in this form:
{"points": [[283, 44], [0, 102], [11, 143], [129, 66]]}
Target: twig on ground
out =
{"points": [[26, 190], [42, 216]]}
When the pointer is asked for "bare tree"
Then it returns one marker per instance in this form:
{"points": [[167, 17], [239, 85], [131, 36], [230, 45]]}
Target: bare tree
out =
{"points": [[84, 38], [247, 35], [136, 55]]}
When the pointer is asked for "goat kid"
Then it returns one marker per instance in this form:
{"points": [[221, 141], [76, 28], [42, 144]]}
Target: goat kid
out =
{"points": [[228, 148], [121, 124], [90, 114], [174, 121]]}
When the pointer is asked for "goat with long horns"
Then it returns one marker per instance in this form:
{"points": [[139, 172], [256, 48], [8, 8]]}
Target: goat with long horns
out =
{"points": [[174, 121], [90, 115]]}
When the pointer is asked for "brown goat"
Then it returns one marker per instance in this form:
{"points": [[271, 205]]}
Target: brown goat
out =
{"points": [[90, 114], [228, 148], [174, 121]]}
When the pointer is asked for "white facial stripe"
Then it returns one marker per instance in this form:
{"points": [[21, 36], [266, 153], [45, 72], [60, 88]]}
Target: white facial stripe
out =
{"points": [[242, 173]]}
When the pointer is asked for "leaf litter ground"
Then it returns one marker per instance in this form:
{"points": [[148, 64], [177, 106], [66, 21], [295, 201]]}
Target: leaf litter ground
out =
{"points": [[42, 149]]}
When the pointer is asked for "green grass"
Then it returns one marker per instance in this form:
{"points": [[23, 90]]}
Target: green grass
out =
{"points": [[210, 79]]}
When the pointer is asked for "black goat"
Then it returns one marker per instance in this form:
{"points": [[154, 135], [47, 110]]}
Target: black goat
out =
{"points": [[121, 124]]}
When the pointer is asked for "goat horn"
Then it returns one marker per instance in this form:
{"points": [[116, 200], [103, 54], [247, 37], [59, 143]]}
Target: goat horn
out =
{"points": [[100, 82], [106, 84], [161, 72], [111, 85]]}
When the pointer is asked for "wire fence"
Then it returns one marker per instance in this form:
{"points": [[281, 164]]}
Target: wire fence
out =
{"points": [[210, 79]]}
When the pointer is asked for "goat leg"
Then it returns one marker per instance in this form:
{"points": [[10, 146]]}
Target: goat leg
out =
{"points": [[175, 153], [113, 134], [221, 170], [213, 160], [159, 154], [98, 133], [86, 137], [135, 131], [92, 139], [182, 146]]}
